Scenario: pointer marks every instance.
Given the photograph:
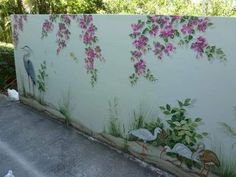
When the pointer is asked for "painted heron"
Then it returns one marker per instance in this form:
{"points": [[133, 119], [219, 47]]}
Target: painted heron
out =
{"points": [[145, 135], [29, 68]]}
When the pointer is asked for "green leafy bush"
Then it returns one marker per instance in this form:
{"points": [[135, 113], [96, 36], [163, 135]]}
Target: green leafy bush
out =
{"points": [[7, 67], [182, 128]]}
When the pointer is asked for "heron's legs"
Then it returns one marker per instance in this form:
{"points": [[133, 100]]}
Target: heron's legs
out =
{"points": [[144, 148], [29, 83], [162, 151], [33, 89]]}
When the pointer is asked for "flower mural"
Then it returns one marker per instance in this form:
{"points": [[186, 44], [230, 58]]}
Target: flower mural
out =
{"points": [[92, 50], [88, 36], [167, 33], [18, 25]]}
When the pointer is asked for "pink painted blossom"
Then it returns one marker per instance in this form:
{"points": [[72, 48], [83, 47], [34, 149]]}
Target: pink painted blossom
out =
{"points": [[154, 30], [90, 53], [98, 53], [82, 23], [62, 26], [89, 18], [18, 26], [158, 49], [170, 48], [63, 35], [167, 31], [20, 23], [154, 19], [66, 19], [199, 45], [140, 67], [163, 20], [61, 44], [88, 37], [187, 29], [136, 27], [202, 24], [176, 17], [136, 54], [15, 37], [193, 22], [47, 26], [91, 29], [89, 64], [89, 60], [141, 42]]}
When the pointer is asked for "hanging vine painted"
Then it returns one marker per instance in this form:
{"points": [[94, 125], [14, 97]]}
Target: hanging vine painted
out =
{"points": [[167, 33], [88, 36], [18, 26]]}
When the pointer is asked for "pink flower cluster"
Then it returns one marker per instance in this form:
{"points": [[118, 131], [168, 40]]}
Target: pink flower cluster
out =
{"points": [[92, 51], [136, 54], [85, 20], [199, 45], [141, 42], [154, 30], [164, 24], [199, 24], [136, 28], [169, 48], [202, 24], [140, 67], [160, 49], [187, 29], [47, 27], [18, 25], [63, 34], [167, 31], [66, 19]]}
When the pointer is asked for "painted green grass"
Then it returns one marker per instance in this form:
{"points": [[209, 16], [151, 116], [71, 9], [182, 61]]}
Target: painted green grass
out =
{"points": [[114, 127], [64, 108], [228, 164]]}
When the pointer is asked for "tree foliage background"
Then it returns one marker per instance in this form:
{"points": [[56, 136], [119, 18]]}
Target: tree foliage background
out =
{"points": [[158, 7]]}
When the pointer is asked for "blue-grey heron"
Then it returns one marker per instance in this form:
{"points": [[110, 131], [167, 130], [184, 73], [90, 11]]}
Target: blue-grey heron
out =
{"points": [[29, 66]]}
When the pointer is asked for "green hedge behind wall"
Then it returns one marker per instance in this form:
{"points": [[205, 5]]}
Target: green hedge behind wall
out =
{"points": [[7, 67]]}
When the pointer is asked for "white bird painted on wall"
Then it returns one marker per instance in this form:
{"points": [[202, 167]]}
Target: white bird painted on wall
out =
{"points": [[183, 151], [145, 135]]}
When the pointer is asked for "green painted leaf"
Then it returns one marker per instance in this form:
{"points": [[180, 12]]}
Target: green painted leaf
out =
{"points": [[168, 107], [177, 123], [162, 107]]}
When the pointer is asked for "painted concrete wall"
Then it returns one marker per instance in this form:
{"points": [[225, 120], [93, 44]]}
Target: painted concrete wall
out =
{"points": [[109, 72]]}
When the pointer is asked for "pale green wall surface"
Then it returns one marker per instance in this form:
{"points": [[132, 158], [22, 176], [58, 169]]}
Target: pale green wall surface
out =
{"points": [[210, 84]]}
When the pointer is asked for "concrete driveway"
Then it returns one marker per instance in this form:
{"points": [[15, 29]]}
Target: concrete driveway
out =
{"points": [[32, 144]]}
